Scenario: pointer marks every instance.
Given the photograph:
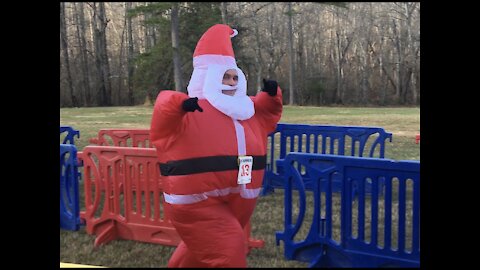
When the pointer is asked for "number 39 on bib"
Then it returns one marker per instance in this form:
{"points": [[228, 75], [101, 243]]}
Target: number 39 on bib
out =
{"points": [[245, 169]]}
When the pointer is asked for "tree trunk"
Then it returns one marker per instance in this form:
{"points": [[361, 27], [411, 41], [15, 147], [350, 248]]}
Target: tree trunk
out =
{"points": [[80, 18], [130, 99], [223, 9], [383, 85], [365, 76], [300, 63], [366, 61], [101, 57], [64, 47], [290, 52], [275, 56], [338, 65], [398, 62], [121, 57], [258, 51], [175, 47], [149, 31], [146, 36], [100, 83], [384, 76], [105, 58], [411, 51]]}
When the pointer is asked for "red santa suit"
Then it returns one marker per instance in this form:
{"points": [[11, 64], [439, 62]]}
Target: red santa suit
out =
{"points": [[199, 151]]}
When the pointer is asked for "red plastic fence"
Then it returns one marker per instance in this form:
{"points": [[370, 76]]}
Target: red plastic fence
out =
{"points": [[124, 197], [123, 137]]}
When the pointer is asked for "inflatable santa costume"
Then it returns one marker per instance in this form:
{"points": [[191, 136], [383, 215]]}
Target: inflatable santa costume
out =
{"points": [[213, 158]]}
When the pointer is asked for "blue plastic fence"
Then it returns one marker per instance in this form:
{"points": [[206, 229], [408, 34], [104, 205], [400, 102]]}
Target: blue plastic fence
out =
{"points": [[324, 139], [380, 229], [69, 196], [69, 178], [71, 133]]}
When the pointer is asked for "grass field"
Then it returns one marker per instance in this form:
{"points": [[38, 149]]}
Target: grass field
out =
{"points": [[77, 247]]}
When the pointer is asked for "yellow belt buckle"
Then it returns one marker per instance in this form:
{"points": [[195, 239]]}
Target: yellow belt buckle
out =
{"points": [[238, 159]]}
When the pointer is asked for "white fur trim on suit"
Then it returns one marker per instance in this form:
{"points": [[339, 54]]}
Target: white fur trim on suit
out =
{"points": [[241, 144], [197, 197]]}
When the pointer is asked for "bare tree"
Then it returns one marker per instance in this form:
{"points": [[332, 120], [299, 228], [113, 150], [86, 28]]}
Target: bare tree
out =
{"points": [[291, 100], [342, 44], [80, 22], [274, 47], [403, 49], [411, 50], [130, 55], [64, 48], [223, 10], [258, 48], [101, 55], [364, 27], [146, 31], [177, 71]]}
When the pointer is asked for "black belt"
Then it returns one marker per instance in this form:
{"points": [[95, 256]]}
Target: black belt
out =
{"points": [[207, 164]]}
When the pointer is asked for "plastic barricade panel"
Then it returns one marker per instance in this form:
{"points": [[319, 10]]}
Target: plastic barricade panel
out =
{"points": [[324, 139], [380, 229], [70, 134], [123, 137], [69, 193], [124, 197]]}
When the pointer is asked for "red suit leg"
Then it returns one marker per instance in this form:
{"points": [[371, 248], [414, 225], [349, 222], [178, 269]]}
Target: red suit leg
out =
{"points": [[183, 258], [212, 235]]}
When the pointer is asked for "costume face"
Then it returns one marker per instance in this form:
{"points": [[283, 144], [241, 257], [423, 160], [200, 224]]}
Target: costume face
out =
{"points": [[230, 78]]}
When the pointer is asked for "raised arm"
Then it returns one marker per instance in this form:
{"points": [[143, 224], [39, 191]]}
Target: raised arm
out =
{"points": [[168, 112], [269, 105]]}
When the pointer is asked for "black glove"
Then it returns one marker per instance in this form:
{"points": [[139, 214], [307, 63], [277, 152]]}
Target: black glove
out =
{"points": [[191, 104], [270, 86]]}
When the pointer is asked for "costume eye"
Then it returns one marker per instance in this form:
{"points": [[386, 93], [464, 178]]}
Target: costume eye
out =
{"points": [[235, 78]]}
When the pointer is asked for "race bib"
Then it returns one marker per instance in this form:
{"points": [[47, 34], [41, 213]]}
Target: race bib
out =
{"points": [[245, 169]]}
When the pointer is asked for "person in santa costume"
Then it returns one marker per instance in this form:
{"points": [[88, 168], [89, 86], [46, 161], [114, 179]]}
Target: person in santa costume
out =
{"points": [[211, 147]]}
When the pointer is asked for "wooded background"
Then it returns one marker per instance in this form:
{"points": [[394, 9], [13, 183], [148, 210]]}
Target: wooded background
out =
{"points": [[358, 54]]}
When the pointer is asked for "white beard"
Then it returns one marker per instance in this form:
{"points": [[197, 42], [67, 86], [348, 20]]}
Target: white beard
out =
{"points": [[238, 106]]}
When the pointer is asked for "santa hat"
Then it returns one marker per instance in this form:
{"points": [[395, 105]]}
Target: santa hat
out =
{"points": [[215, 47]]}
